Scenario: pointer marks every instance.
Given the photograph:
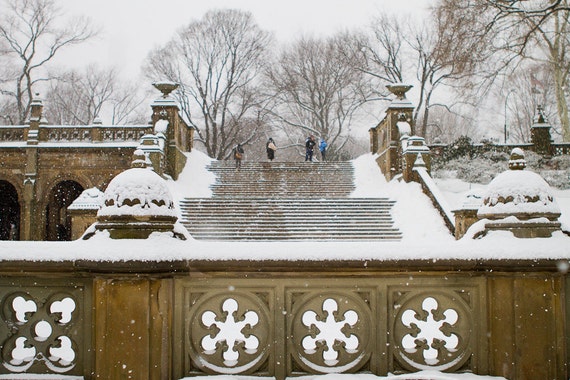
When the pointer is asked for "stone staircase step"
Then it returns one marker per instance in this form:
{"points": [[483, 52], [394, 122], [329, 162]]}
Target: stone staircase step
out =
{"points": [[265, 201]]}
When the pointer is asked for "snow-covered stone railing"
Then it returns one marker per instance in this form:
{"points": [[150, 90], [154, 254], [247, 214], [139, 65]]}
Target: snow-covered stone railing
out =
{"points": [[77, 133], [559, 149], [432, 191], [281, 318], [10, 133]]}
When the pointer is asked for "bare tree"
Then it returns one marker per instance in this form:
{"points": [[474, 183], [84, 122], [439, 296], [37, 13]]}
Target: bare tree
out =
{"points": [[537, 12], [31, 39], [523, 31], [527, 91], [216, 61], [318, 90], [384, 55], [80, 97], [430, 55], [446, 127]]}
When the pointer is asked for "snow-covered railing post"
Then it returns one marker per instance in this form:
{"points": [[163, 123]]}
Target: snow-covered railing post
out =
{"points": [[385, 137], [540, 134], [415, 153], [166, 120]]}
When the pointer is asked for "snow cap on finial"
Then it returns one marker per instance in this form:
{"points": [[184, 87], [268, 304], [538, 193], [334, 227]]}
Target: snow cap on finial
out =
{"points": [[517, 160]]}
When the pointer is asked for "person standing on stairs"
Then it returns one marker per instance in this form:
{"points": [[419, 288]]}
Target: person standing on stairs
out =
{"points": [[309, 147], [238, 155], [323, 148], [270, 147]]}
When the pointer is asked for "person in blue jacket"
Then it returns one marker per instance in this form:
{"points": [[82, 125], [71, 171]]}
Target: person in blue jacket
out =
{"points": [[323, 148]]}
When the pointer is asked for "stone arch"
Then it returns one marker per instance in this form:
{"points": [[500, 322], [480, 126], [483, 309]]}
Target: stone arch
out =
{"points": [[9, 211], [57, 220]]}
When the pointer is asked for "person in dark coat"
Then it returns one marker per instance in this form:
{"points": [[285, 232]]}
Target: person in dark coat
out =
{"points": [[309, 148], [238, 155], [270, 147]]}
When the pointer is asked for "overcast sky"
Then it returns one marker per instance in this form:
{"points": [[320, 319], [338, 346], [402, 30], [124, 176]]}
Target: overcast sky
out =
{"points": [[130, 28]]}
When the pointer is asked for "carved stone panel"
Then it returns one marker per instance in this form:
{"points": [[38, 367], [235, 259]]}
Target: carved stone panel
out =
{"points": [[43, 329], [226, 331], [329, 332], [433, 328], [294, 326]]}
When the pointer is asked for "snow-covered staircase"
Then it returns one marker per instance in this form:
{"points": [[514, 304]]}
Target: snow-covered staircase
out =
{"points": [[287, 201]]}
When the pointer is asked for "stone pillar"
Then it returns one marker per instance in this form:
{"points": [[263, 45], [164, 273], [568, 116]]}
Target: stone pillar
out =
{"points": [[27, 229], [132, 328], [398, 112], [28, 208], [97, 130], [540, 133], [152, 149], [415, 154], [373, 140], [166, 108], [464, 218]]}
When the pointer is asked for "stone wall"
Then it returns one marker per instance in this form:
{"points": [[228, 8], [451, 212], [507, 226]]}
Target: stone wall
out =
{"points": [[167, 320]]}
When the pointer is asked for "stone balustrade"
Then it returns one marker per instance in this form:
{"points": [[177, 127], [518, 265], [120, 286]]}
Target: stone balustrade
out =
{"points": [[173, 319], [85, 133]]}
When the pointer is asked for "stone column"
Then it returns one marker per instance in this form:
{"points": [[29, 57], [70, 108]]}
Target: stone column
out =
{"points": [[166, 108], [540, 134], [29, 228], [399, 112]]}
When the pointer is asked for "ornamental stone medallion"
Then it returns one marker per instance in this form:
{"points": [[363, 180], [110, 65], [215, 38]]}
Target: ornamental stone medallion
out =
{"points": [[41, 333], [330, 332], [228, 333], [432, 331]]}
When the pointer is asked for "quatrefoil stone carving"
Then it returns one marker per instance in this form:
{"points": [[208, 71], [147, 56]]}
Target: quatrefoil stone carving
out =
{"points": [[39, 333]]}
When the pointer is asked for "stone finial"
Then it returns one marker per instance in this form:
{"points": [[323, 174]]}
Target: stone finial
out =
{"points": [[540, 133], [165, 87], [36, 112], [139, 159], [540, 117], [401, 102], [399, 89], [517, 160]]}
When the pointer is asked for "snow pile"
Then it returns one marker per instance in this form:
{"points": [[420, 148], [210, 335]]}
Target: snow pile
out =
{"points": [[161, 126], [517, 192], [90, 199], [413, 212], [415, 216], [138, 192], [369, 181], [195, 180]]}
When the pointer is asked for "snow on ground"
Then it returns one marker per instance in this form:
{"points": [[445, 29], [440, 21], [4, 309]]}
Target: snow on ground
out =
{"points": [[425, 236]]}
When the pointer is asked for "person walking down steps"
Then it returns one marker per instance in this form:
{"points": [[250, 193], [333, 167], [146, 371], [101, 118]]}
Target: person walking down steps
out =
{"points": [[238, 155], [323, 149], [270, 147], [309, 147]]}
